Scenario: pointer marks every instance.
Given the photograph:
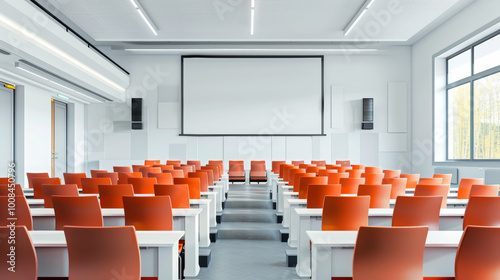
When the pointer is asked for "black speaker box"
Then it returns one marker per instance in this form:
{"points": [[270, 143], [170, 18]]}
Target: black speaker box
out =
{"points": [[137, 109], [137, 125], [367, 109], [367, 126]]}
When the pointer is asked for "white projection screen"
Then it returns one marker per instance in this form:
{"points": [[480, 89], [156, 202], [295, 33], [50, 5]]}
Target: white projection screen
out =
{"points": [[252, 95]]}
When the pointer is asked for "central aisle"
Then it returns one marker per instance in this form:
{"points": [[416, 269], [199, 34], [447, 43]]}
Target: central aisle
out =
{"points": [[249, 244]]}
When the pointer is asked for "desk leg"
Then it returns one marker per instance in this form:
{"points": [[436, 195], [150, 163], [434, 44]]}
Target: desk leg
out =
{"points": [[168, 262], [211, 207], [204, 225], [286, 210], [321, 262], [191, 248], [303, 267], [294, 225], [274, 189], [279, 198], [220, 196]]}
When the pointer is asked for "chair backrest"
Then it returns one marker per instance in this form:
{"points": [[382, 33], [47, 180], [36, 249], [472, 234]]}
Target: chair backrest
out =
{"points": [[203, 179], [314, 169], [74, 178], [94, 172], [465, 186], [275, 166], [297, 177], [286, 172], [446, 178], [124, 176], [373, 178], [186, 169], [358, 166], [391, 173], [325, 172], [345, 212], [304, 183], [37, 185], [6, 180], [434, 190], [111, 196], [143, 185], [215, 168], [482, 211], [146, 170], [372, 169], [90, 185], [124, 169], [5, 189], [112, 175], [398, 186], [305, 165], [484, 190], [220, 163], [148, 212], [22, 213], [179, 194], [319, 162], [343, 163], [162, 178], [210, 176], [77, 211], [316, 194], [430, 181], [194, 186], [59, 190], [334, 178], [257, 162], [175, 163], [196, 163], [137, 168], [411, 180], [25, 262], [384, 253], [478, 254], [350, 185], [258, 167], [297, 162], [164, 167], [282, 170], [236, 162], [150, 162], [355, 173], [292, 173], [31, 175], [417, 211], [380, 195], [103, 253], [176, 173]]}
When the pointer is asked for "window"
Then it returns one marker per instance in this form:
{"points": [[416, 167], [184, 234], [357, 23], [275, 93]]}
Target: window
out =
{"points": [[473, 102]]}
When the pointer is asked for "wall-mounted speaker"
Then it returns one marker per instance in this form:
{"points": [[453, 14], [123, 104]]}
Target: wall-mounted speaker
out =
{"points": [[368, 109], [367, 126], [137, 109], [137, 125]]}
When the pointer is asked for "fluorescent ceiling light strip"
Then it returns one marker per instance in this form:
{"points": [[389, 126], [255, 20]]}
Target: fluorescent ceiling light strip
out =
{"points": [[58, 52], [252, 21], [369, 4], [135, 5], [147, 22], [355, 22], [32, 73], [249, 50]]}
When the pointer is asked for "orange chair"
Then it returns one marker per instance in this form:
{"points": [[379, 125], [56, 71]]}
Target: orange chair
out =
{"points": [[417, 211], [185, 168], [143, 185], [179, 194], [151, 162], [194, 186], [176, 173], [215, 168], [196, 163], [304, 183], [6, 180], [332, 166], [355, 173], [175, 163], [35, 175], [446, 178], [286, 172], [319, 162], [137, 167], [236, 162], [478, 254], [430, 181], [164, 167], [93, 173], [257, 162], [203, 179], [39, 181], [22, 213], [304, 166], [146, 170], [482, 211], [384, 253], [398, 186], [276, 166], [434, 190], [371, 169], [358, 166], [297, 162], [162, 178], [343, 163], [465, 186], [103, 253], [334, 178], [122, 169], [111, 196], [292, 173], [316, 194], [373, 178], [220, 163], [313, 169], [282, 170], [350, 185], [258, 173], [89, 185], [391, 173], [5, 189], [210, 176], [26, 264], [60, 190], [297, 178], [148, 212], [345, 212], [411, 180], [124, 176], [74, 178], [236, 173], [112, 175], [325, 172], [484, 190], [380, 195], [77, 211]]}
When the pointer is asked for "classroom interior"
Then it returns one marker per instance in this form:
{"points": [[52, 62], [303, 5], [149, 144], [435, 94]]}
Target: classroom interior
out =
{"points": [[223, 139]]}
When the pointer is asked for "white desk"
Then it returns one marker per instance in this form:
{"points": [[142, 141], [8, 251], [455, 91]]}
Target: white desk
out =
{"points": [[184, 219], [219, 192], [332, 253], [158, 249], [273, 180], [310, 219], [282, 187], [212, 207]]}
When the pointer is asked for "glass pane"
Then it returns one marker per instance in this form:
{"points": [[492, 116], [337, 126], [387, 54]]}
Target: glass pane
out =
{"points": [[459, 122], [459, 67], [487, 54], [487, 117]]}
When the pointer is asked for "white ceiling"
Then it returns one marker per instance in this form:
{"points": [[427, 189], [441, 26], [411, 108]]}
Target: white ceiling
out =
{"points": [[275, 20]]}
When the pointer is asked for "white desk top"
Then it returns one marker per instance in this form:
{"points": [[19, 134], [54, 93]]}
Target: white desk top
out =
{"points": [[117, 212], [317, 212], [450, 201], [32, 201]]}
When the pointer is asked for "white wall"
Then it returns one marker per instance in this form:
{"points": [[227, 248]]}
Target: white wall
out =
{"points": [[467, 23], [157, 79]]}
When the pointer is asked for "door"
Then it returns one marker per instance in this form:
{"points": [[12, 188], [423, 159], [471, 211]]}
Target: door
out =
{"points": [[59, 138], [7, 128]]}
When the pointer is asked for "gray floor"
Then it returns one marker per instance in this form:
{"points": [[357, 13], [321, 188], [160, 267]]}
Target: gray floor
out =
{"points": [[248, 244]]}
